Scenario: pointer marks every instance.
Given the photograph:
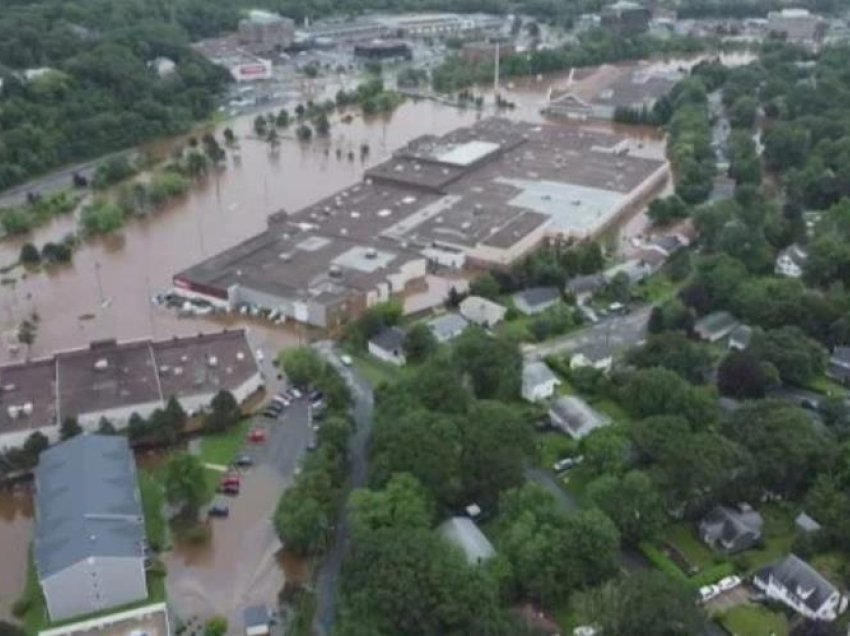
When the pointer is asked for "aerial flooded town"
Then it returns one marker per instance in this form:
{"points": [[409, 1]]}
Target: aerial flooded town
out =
{"points": [[407, 318]]}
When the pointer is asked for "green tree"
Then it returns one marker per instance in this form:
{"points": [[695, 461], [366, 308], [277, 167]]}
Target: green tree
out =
{"points": [[224, 413], [185, 484], [606, 450], [302, 365], [668, 210], [798, 358], [632, 503], [742, 375], [676, 352], [643, 603], [419, 343], [485, 286], [30, 254], [402, 503], [69, 428], [493, 365], [216, 626]]}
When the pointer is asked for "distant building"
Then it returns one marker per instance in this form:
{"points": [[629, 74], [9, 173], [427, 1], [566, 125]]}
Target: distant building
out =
{"points": [[538, 381], [791, 261], [381, 50], [482, 312], [263, 32], [114, 380], [805, 524], [739, 338], [536, 300], [388, 345], [606, 89], [636, 270], [626, 18], [715, 326], [575, 417], [447, 327], [797, 26], [89, 545], [462, 532], [798, 585], [731, 530], [839, 365], [242, 64], [583, 287], [485, 51]]}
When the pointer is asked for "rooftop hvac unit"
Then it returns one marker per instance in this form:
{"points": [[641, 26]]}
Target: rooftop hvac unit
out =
{"points": [[184, 358], [27, 408], [164, 368], [101, 365], [335, 271], [13, 411], [240, 356], [212, 361], [371, 253], [178, 370]]}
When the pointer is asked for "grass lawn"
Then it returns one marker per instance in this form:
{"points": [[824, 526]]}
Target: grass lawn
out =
{"points": [[658, 288], [611, 409], [753, 620], [826, 386], [831, 565], [153, 500], [374, 370], [516, 330], [576, 481], [778, 536], [684, 537], [554, 445], [222, 448]]}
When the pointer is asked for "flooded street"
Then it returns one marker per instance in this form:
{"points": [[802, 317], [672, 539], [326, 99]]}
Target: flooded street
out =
{"points": [[16, 523]]}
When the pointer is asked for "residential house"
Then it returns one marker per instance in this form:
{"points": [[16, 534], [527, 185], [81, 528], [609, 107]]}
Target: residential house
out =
{"points": [[805, 524], [257, 621], [739, 338], [597, 355], [388, 345], [535, 300], [447, 327], [668, 244], [89, 546], [839, 365], [798, 585], [715, 326], [583, 287], [731, 530], [575, 417], [462, 532], [538, 381], [635, 269], [791, 261], [481, 311]]}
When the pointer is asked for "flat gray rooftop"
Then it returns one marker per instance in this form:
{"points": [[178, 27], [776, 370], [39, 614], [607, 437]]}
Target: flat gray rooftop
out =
{"points": [[27, 396]]}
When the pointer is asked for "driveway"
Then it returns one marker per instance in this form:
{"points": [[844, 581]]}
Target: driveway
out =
{"points": [[615, 333], [727, 600]]}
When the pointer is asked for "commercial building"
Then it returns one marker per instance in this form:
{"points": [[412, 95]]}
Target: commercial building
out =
{"points": [[797, 26], [485, 51], [89, 546], [626, 18], [263, 32], [485, 195], [383, 50], [242, 64], [600, 92], [114, 380], [405, 25]]}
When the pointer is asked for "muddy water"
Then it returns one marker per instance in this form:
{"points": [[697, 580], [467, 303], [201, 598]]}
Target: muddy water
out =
{"points": [[241, 564], [16, 523]]}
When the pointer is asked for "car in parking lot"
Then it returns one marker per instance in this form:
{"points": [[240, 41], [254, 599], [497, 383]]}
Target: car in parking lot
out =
{"points": [[229, 488], [257, 436], [244, 461], [219, 509]]}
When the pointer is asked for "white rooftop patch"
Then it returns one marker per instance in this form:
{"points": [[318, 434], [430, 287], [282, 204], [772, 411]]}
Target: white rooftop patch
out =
{"points": [[466, 154], [571, 208], [364, 259], [313, 243]]}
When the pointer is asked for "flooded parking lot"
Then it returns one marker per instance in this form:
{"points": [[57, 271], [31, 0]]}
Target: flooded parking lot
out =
{"points": [[16, 523]]}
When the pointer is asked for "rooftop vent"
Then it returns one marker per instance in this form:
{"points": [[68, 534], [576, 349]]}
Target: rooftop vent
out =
{"points": [[335, 271], [212, 361], [240, 356], [371, 253], [355, 215], [384, 213], [101, 364]]}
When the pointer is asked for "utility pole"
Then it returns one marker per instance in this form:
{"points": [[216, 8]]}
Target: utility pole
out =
{"points": [[496, 75]]}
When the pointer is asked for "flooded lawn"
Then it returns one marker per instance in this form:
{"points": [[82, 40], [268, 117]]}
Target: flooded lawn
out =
{"points": [[16, 525]]}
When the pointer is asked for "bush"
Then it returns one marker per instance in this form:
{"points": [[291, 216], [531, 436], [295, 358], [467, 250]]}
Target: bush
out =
{"points": [[21, 607]]}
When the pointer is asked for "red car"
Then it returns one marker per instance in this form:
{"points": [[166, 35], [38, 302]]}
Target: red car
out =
{"points": [[229, 489], [257, 436], [230, 478]]}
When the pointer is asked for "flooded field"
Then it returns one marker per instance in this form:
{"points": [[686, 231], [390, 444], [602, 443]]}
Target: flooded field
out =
{"points": [[16, 522]]}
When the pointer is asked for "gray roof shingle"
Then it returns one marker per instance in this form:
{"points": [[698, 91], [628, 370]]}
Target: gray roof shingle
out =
{"points": [[389, 339], [796, 575], [87, 503]]}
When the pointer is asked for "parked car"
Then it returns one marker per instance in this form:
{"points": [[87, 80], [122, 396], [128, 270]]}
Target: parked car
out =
{"points": [[296, 393], [230, 479], [281, 399], [346, 360], [708, 592], [316, 396], [244, 461], [257, 436], [567, 462], [729, 583], [219, 509]]}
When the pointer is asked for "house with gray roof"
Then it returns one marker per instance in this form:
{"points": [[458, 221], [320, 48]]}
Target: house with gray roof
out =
{"points": [[798, 585], [462, 532], [575, 417], [806, 524], [730, 530], [89, 544], [447, 327], [538, 381], [388, 345], [482, 312], [583, 287], [839, 364], [715, 326], [535, 300], [740, 337]]}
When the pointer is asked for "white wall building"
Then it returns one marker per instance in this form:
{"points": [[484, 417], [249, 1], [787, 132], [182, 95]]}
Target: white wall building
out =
{"points": [[538, 382], [798, 585], [791, 261]]}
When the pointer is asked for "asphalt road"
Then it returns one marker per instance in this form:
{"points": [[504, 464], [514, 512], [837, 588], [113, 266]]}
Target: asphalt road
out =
{"points": [[616, 332], [327, 581]]}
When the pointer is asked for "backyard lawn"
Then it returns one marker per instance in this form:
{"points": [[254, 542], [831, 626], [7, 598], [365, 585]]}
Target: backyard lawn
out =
{"points": [[374, 370], [221, 449], [153, 500], [683, 536], [778, 536], [753, 620]]}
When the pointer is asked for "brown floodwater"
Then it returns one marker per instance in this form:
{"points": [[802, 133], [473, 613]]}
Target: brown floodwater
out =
{"points": [[16, 524]]}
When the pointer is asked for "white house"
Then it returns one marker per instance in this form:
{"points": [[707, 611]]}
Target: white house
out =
{"points": [[89, 545], [798, 585], [791, 261], [481, 311], [462, 532], [388, 345], [538, 381]]}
